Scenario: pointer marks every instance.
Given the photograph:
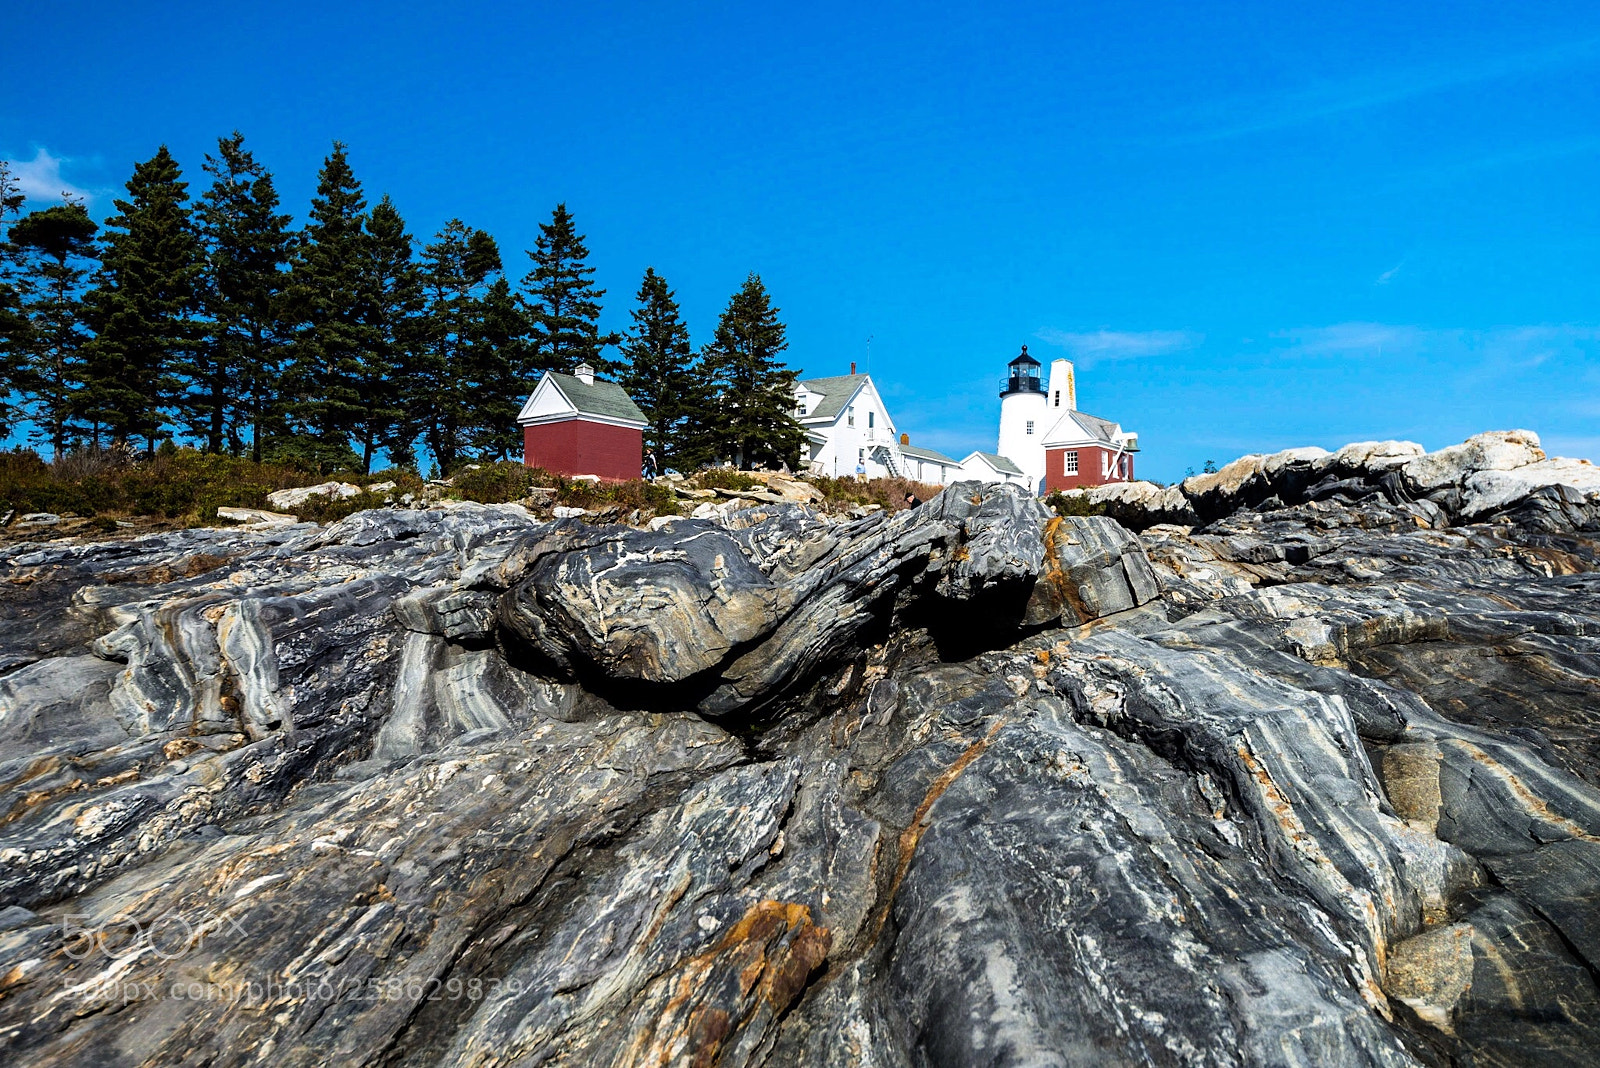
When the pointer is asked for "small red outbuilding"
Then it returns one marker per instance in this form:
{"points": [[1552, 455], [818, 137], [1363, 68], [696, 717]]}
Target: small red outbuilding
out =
{"points": [[579, 424]]}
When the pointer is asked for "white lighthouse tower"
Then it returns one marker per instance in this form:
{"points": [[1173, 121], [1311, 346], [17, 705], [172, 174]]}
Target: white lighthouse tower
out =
{"points": [[1024, 410]]}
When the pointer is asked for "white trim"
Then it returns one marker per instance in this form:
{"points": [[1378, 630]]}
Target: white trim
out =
{"points": [[582, 417], [570, 411], [820, 419]]}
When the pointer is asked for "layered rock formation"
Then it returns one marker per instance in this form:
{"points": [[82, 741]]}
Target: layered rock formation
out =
{"points": [[1315, 782]]}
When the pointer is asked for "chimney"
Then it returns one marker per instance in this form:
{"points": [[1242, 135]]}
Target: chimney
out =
{"points": [[584, 373], [905, 439], [852, 367]]}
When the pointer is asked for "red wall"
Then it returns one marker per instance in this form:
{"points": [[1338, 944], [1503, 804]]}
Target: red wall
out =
{"points": [[579, 447], [1089, 461]]}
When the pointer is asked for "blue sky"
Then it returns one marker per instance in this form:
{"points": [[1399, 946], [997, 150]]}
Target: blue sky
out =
{"points": [[1254, 225]]}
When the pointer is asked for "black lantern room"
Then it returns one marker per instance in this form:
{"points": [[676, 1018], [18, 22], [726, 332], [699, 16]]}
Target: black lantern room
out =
{"points": [[1022, 376]]}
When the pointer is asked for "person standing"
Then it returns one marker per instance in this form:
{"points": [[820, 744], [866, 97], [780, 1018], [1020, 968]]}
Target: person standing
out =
{"points": [[650, 464]]}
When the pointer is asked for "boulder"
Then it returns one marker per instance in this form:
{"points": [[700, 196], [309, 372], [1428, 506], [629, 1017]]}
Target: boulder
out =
{"points": [[255, 516], [1497, 450], [290, 498], [1484, 492]]}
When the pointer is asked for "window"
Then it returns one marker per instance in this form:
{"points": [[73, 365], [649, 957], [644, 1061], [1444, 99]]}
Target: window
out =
{"points": [[1030, 426], [850, 415], [872, 418], [1058, 398], [861, 456], [1071, 467]]}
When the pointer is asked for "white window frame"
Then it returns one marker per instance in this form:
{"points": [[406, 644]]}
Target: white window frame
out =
{"points": [[1069, 462], [850, 415]]}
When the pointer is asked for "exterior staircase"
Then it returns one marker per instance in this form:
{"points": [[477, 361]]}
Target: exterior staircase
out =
{"points": [[886, 455]]}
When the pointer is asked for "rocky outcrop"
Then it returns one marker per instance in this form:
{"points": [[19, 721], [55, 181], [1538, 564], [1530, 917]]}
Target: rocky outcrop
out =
{"points": [[1483, 477], [1317, 783]]}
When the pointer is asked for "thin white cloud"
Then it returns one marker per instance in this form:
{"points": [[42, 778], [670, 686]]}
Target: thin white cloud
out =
{"points": [[1493, 352], [1388, 276], [1221, 119], [1096, 345], [40, 177], [1352, 339]]}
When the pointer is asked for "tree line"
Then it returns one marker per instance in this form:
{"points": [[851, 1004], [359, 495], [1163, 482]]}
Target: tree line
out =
{"points": [[215, 322]]}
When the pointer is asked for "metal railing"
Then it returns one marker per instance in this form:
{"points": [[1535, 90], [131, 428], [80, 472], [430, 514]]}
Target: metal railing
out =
{"points": [[1021, 384]]}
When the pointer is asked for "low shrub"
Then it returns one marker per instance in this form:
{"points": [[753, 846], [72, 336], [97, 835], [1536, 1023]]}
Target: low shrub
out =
{"points": [[173, 484], [1073, 504], [723, 478], [496, 483], [633, 494], [888, 493]]}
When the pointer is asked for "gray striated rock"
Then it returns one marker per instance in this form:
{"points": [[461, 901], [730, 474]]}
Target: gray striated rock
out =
{"points": [[1487, 475], [970, 784]]}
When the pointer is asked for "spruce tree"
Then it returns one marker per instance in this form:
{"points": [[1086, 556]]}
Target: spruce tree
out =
{"points": [[233, 378], [396, 300], [15, 335], [442, 377], [143, 305], [329, 298], [502, 374], [562, 301], [747, 411], [55, 252], [658, 375]]}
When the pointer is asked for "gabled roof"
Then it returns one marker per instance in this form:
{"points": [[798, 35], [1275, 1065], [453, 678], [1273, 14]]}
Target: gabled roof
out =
{"points": [[1081, 426], [835, 392], [999, 463], [601, 399], [928, 454]]}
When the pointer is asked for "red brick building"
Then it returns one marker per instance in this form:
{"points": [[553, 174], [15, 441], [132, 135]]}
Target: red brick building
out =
{"points": [[579, 424], [1085, 450]]}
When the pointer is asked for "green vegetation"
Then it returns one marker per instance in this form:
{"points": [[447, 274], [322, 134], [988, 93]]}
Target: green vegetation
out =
{"points": [[1074, 504], [185, 487], [724, 478], [174, 484], [887, 493], [508, 482]]}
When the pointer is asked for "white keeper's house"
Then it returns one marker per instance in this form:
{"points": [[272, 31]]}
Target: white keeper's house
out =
{"points": [[847, 425], [1045, 442]]}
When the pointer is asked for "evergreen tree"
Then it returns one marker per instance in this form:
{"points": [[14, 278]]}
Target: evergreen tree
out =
{"points": [[329, 298], [55, 253], [396, 300], [562, 301], [143, 305], [15, 336], [234, 375], [445, 373], [503, 374], [746, 412], [659, 375]]}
